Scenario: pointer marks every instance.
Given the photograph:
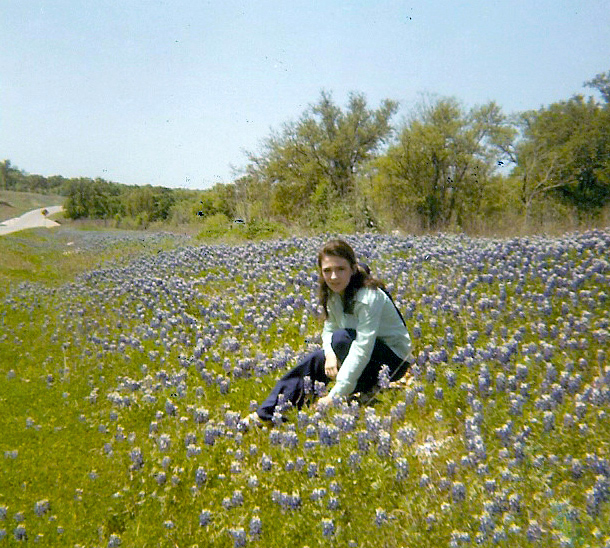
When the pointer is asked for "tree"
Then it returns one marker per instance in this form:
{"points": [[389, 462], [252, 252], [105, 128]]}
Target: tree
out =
{"points": [[601, 83], [86, 198], [565, 150], [441, 163], [5, 167], [314, 163]]}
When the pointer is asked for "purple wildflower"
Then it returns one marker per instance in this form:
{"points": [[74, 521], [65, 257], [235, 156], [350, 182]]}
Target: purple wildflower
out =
{"points": [[328, 527]]}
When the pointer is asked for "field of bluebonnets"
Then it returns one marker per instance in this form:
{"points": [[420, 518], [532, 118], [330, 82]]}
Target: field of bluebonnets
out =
{"points": [[122, 393]]}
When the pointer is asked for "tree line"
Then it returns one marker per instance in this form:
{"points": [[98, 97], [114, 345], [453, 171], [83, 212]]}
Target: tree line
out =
{"points": [[130, 205], [444, 167]]}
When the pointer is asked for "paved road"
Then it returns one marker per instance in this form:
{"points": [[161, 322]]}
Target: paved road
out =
{"points": [[31, 219]]}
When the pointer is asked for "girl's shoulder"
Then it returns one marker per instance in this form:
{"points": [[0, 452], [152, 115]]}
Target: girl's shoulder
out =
{"points": [[368, 295]]}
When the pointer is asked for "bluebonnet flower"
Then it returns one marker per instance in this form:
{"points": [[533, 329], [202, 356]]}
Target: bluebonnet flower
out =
{"points": [[136, 458], [458, 491], [239, 536], [114, 541], [381, 517], [384, 444], [451, 378], [397, 412], [20, 532], [312, 470], [548, 421], [451, 468], [460, 537], [514, 530], [318, 494], [328, 434], [534, 531], [290, 440], [308, 385], [424, 480], [333, 503], [275, 437], [256, 526], [266, 463], [161, 478], [514, 502], [42, 507], [383, 379], [363, 441], [319, 389], [201, 476], [354, 460], [193, 451], [328, 527], [237, 499]]}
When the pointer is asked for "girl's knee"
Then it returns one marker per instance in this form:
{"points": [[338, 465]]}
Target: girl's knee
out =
{"points": [[341, 342]]}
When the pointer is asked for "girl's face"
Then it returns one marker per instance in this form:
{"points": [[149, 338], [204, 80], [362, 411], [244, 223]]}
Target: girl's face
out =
{"points": [[337, 273]]}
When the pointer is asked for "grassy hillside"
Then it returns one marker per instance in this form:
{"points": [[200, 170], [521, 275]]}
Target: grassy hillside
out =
{"points": [[14, 204], [123, 383]]}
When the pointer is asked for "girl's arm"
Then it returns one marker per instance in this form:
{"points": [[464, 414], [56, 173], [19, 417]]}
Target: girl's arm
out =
{"points": [[368, 316], [330, 326]]}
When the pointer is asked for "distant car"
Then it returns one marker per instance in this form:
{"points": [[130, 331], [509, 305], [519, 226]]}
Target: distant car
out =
{"points": [[239, 222]]}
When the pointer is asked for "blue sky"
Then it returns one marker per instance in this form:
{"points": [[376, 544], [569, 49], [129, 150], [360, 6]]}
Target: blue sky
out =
{"points": [[172, 92]]}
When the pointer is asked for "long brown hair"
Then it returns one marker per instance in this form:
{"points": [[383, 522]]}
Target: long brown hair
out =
{"points": [[360, 278]]}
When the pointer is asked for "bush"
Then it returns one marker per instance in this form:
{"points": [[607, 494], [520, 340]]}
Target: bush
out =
{"points": [[214, 226], [262, 229]]}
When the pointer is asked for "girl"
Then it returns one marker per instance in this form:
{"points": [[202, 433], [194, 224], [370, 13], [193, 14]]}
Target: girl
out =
{"points": [[363, 330]]}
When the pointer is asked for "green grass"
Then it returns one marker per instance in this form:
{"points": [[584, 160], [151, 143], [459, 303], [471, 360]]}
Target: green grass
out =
{"points": [[73, 444], [14, 204]]}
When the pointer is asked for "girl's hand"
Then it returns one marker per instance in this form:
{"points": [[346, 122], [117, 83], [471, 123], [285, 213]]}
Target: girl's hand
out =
{"points": [[331, 367], [324, 403]]}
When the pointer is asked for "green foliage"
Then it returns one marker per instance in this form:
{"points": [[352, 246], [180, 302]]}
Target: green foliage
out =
{"points": [[441, 166], [566, 150], [315, 161], [260, 229], [214, 226], [344, 168]]}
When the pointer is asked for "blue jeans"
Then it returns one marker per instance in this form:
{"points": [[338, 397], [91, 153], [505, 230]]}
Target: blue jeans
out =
{"points": [[291, 385]]}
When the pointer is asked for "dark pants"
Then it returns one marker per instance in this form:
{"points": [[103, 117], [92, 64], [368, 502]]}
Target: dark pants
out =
{"points": [[292, 384]]}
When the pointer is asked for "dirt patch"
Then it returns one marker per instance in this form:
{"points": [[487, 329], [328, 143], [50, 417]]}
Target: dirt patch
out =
{"points": [[3, 203]]}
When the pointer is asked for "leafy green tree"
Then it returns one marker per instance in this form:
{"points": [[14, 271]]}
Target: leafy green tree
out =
{"points": [[601, 83], [441, 164], [87, 199], [5, 166], [314, 162], [565, 149]]}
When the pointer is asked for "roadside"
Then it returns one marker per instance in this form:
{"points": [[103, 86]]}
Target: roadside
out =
{"points": [[38, 217]]}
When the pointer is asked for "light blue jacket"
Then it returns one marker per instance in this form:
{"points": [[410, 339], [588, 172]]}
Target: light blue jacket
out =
{"points": [[374, 317]]}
